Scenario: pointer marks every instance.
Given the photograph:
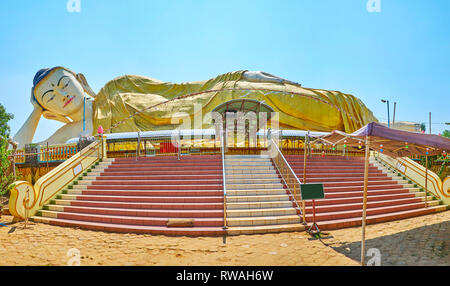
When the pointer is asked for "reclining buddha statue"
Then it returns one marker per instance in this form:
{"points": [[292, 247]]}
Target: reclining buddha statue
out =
{"points": [[133, 103]]}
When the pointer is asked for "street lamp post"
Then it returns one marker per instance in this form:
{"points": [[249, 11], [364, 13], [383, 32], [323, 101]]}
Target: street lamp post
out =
{"points": [[393, 116], [387, 101]]}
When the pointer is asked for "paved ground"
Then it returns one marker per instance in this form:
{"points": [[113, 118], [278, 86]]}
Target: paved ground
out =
{"points": [[417, 241]]}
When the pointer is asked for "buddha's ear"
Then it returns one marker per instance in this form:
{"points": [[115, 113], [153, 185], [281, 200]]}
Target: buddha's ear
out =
{"points": [[80, 77], [54, 116]]}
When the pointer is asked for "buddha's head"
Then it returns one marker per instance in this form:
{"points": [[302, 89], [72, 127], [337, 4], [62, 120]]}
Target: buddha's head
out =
{"points": [[60, 92]]}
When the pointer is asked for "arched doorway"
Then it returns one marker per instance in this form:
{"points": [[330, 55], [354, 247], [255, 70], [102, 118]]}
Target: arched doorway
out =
{"points": [[242, 118]]}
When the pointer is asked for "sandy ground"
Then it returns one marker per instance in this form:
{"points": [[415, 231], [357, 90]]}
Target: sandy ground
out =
{"points": [[416, 241]]}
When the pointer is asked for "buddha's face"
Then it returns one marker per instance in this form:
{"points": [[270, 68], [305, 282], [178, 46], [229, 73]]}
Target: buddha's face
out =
{"points": [[60, 92]]}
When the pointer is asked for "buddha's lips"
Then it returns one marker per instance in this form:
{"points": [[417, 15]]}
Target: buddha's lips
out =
{"points": [[69, 101]]}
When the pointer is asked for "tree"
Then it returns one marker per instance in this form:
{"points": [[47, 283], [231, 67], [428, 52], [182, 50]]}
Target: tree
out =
{"points": [[422, 127], [446, 133], [4, 118], [6, 174]]}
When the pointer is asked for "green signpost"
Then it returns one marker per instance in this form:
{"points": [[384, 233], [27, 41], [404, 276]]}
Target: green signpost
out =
{"points": [[312, 192]]}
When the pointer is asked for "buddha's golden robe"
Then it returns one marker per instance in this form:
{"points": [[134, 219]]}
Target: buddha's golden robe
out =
{"points": [[298, 107]]}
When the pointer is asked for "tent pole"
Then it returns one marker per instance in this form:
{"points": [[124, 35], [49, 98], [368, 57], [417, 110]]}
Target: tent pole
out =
{"points": [[426, 181], [366, 180], [305, 153]]}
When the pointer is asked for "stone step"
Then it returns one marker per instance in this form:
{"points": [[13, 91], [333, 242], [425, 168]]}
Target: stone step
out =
{"points": [[260, 204], [239, 230], [265, 220], [250, 171], [234, 213], [252, 186], [256, 192], [257, 198], [257, 180]]}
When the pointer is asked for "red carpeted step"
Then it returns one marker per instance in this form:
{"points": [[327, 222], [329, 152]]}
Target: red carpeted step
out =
{"points": [[203, 178], [351, 200], [135, 220], [158, 193], [339, 175], [332, 189], [378, 218], [359, 183], [193, 165], [152, 199], [155, 187], [124, 228], [108, 172], [336, 170], [159, 168], [154, 205], [346, 194], [165, 213], [358, 205], [345, 214], [347, 179], [131, 182], [171, 158]]}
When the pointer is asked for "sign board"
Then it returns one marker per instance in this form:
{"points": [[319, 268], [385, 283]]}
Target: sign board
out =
{"points": [[77, 169], [312, 191]]}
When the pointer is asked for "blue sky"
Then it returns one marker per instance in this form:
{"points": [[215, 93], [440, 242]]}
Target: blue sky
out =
{"points": [[401, 54]]}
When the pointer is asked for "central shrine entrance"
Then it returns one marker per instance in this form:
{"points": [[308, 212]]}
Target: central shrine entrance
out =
{"points": [[242, 118]]}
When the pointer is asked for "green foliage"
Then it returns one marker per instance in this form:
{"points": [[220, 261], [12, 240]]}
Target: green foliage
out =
{"points": [[5, 179], [422, 127], [446, 134], [6, 172], [4, 118]]}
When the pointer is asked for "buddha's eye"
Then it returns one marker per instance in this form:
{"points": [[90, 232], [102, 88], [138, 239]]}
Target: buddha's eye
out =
{"points": [[66, 84], [51, 98]]}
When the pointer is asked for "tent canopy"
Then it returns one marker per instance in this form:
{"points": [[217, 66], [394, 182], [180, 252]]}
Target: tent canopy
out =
{"points": [[393, 142]]}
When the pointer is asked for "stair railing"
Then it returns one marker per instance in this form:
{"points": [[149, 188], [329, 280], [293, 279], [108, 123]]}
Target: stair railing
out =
{"points": [[289, 177], [416, 173], [224, 181], [25, 199]]}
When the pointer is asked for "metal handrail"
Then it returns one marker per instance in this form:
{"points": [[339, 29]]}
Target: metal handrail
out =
{"points": [[289, 177], [224, 181]]}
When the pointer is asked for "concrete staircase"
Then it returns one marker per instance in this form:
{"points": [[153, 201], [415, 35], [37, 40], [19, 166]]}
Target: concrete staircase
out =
{"points": [[141, 196], [256, 199], [390, 197]]}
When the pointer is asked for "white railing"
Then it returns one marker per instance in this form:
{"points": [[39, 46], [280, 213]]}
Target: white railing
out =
{"points": [[224, 181], [289, 177]]}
